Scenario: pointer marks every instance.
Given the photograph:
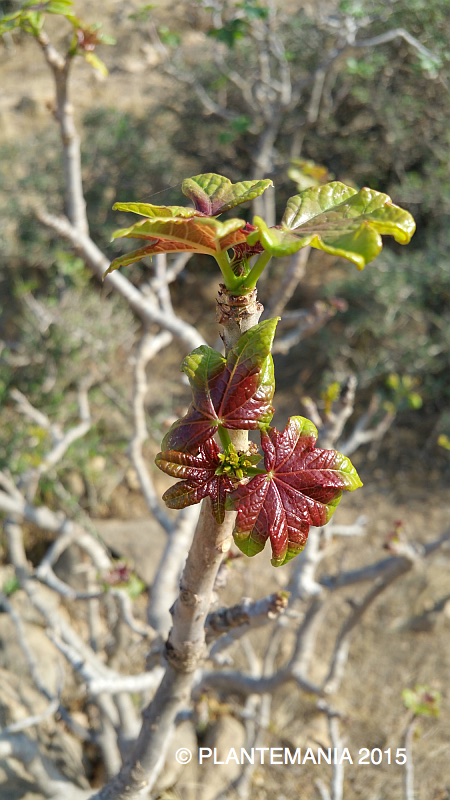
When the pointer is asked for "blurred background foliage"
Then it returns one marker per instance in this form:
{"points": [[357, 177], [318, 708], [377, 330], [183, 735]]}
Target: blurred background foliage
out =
{"points": [[230, 87]]}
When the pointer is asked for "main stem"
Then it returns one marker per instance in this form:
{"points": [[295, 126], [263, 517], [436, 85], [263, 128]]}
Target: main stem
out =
{"points": [[186, 647]]}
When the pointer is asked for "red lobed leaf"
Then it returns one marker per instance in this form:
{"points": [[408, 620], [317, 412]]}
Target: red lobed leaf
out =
{"points": [[301, 487], [214, 194], [235, 393], [200, 479]]}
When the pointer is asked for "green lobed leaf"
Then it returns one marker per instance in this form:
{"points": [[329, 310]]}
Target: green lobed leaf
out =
{"points": [[30, 15], [9, 22], [155, 212], [59, 7], [33, 22], [338, 220], [214, 194]]}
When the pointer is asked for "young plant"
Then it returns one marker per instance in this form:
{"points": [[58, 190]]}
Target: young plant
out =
{"points": [[295, 485]]}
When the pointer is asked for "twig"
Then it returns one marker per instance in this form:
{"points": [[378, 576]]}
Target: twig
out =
{"points": [[307, 323], [336, 783], [32, 721], [26, 408], [288, 284], [75, 201], [165, 586], [232, 622], [341, 647], [62, 441], [51, 782], [409, 763], [149, 346], [386, 567], [138, 303]]}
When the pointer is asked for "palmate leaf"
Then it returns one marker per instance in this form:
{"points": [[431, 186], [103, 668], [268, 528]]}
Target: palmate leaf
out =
{"points": [[235, 393], [196, 233], [172, 229], [214, 194], [200, 478], [301, 487], [338, 220]]}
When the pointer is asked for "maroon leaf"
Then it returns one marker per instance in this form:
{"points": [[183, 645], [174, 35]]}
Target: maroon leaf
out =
{"points": [[235, 393], [200, 478], [302, 487]]}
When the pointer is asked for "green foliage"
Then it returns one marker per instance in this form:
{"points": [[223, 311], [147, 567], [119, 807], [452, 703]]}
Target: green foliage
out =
{"points": [[122, 576], [330, 395], [375, 104], [306, 173], [237, 25], [338, 220], [142, 14], [168, 37], [30, 17], [333, 217], [71, 332], [402, 389], [444, 441], [396, 324], [237, 127], [422, 701], [11, 586]]}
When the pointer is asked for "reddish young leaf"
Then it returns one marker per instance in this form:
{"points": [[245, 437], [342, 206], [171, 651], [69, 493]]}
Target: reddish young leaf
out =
{"points": [[200, 478], [214, 194], [235, 393], [188, 231], [302, 487]]}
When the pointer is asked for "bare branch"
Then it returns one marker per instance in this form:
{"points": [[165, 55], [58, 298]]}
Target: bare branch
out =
{"points": [[26, 408], [332, 424], [386, 567], [62, 441], [408, 740], [409, 555], [165, 586], [336, 783], [363, 432], [51, 782], [307, 322], [99, 264], [75, 201], [229, 624], [148, 347], [32, 721], [292, 276], [389, 36]]}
